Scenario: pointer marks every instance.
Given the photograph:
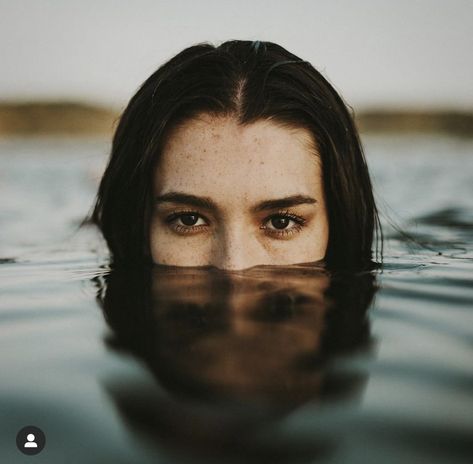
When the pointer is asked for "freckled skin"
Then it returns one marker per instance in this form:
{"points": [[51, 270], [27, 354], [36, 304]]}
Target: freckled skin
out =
{"points": [[238, 167]]}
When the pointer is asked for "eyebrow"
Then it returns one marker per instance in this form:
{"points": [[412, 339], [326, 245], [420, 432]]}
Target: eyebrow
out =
{"points": [[207, 203]]}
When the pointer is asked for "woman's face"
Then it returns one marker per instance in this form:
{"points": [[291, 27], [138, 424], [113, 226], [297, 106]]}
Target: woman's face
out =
{"points": [[234, 196]]}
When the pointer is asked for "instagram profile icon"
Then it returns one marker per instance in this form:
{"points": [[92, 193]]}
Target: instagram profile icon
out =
{"points": [[30, 440]]}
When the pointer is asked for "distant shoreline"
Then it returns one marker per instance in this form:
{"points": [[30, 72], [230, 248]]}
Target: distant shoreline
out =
{"points": [[78, 119], [56, 118]]}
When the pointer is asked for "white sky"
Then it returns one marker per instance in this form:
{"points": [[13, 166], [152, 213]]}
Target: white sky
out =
{"points": [[375, 52]]}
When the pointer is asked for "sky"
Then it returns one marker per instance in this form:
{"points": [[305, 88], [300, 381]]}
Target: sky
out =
{"points": [[403, 53]]}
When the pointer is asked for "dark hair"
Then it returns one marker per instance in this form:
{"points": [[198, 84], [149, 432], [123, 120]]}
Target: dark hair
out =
{"points": [[249, 81], [159, 323]]}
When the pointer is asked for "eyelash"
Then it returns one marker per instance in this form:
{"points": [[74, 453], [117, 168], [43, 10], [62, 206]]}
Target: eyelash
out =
{"points": [[281, 233]]}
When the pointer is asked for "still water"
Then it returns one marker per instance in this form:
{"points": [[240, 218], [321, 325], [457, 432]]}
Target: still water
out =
{"points": [[272, 364]]}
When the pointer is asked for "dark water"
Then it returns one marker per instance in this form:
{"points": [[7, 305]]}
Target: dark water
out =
{"points": [[272, 364]]}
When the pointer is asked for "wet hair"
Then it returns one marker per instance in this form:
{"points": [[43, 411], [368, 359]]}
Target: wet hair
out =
{"points": [[249, 81], [158, 324]]}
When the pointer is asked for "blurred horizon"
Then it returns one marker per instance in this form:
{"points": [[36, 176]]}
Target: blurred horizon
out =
{"points": [[74, 118], [378, 54]]}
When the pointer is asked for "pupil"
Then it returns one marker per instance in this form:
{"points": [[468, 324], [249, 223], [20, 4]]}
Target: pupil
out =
{"points": [[189, 219], [280, 222]]}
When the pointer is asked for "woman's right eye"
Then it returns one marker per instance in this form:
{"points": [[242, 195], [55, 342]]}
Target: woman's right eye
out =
{"points": [[186, 222]]}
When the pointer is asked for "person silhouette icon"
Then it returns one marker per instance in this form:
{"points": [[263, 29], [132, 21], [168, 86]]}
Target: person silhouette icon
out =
{"points": [[30, 440], [30, 443]]}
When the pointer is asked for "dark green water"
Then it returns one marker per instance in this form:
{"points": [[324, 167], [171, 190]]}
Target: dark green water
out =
{"points": [[272, 365]]}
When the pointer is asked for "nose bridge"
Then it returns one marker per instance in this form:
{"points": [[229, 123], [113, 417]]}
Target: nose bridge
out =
{"points": [[234, 248]]}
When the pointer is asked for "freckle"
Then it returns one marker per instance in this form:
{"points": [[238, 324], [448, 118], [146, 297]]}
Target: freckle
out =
{"points": [[267, 247], [261, 162]]}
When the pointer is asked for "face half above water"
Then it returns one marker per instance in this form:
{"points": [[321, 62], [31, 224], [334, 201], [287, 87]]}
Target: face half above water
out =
{"points": [[234, 196]]}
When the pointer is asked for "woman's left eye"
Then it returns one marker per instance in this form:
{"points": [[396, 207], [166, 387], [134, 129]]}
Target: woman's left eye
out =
{"points": [[278, 224]]}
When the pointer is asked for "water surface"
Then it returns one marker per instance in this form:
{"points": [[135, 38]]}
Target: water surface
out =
{"points": [[271, 365]]}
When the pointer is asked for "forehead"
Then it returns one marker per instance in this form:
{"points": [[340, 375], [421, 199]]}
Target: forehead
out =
{"points": [[217, 157]]}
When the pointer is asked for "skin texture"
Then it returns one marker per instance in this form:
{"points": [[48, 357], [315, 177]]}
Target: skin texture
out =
{"points": [[237, 168]]}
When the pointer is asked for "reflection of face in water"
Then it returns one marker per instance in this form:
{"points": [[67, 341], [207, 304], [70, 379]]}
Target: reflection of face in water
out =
{"points": [[262, 337], [261, 333], [240, 336]]}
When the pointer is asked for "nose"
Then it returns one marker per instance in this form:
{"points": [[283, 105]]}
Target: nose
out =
{"points": [[234, 250]]}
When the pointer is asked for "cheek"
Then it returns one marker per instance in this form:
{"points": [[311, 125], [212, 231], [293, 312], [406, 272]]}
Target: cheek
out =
{"points": [[159, 243], [323, 230], [314, 241], [162, 248], [314, 245], [167, 248]]}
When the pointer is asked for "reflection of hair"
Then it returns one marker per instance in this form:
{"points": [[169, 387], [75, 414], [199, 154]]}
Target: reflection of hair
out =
{"points": [[249, 81], [130, 309]]}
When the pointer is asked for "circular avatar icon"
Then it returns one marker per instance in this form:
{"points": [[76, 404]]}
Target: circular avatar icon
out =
{"points": [[30, 440]]}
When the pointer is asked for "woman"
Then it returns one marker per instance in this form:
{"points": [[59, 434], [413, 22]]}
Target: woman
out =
{"points": [[236, 156]]}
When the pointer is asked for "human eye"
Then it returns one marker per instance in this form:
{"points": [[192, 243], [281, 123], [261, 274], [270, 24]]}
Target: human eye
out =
{"points": [[185, 222], [279, 225]]}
